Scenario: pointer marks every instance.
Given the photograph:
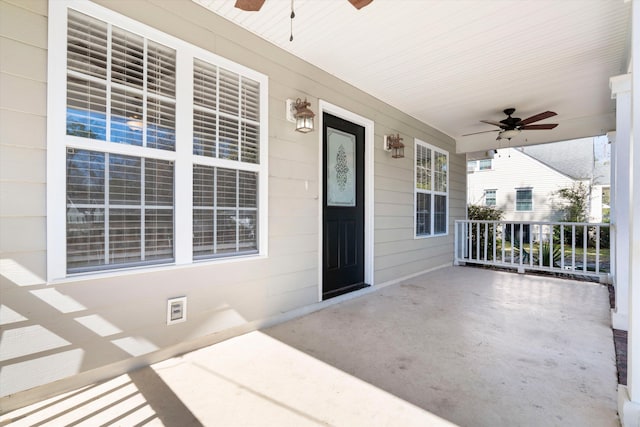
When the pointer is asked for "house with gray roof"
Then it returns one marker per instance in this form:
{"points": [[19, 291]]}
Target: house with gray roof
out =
{"points": [[523, 182]]}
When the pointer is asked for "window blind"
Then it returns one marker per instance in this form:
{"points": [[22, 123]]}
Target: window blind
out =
{"points": [[120, 88], [226, 114], [224, 211]]}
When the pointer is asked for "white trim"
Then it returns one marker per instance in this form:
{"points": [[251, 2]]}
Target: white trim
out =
{"points": [[324, 106], [182, 156]]}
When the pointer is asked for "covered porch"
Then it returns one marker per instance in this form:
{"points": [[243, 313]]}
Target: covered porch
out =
{"points": [[456, 346]]}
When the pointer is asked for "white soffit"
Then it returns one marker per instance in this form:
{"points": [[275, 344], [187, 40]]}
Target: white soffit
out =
{"points": [[451, 63]]}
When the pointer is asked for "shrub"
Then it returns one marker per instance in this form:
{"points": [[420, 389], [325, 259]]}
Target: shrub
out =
{"points": [[483, 213]]}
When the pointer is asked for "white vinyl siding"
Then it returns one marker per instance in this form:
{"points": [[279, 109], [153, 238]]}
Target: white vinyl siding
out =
{"points": [[431, 190], [126, 172]]}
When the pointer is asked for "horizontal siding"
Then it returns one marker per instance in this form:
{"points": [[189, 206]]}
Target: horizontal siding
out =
{"points": [[222, 297], [511, 170]]}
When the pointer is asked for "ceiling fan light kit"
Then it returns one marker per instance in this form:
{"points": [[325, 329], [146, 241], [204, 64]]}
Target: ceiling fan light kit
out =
{"points": [[508, 134]]}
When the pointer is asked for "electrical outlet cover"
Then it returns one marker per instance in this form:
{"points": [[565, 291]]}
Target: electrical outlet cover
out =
{"points": [[176, 310]]}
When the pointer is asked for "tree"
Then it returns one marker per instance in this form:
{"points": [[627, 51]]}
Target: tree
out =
{"points": [[577, 201], [575, 210], [480, 213]]}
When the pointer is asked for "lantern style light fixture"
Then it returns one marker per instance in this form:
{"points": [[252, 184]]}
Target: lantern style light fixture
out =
{"points": [[393, 143], [298, 111]]}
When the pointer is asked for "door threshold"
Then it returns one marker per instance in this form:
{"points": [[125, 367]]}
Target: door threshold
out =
{"points": [[344, 290]]}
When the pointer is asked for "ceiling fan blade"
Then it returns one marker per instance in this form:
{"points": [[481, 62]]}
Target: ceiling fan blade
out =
{"points": [[359, 4], [539, 127], [249, 5], [537, 118], [491, 122], [485, 131]]}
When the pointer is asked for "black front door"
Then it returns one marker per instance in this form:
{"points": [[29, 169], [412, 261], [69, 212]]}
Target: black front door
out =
{"points": [[343, 210]]}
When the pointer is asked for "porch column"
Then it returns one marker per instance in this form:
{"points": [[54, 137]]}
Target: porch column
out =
{"points": [[611, 137], [621, 91], [629, 397]]}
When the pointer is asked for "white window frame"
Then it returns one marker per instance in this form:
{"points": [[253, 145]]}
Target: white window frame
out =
{"points": [[182, 157], [515, 207], [432, 192], [481, 169], [495, 194]]}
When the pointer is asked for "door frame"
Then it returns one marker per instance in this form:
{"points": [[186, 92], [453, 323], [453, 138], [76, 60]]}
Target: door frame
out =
{"points": [[368, 125]]}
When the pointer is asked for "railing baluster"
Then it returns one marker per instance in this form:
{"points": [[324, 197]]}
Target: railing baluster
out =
{"points": [[486, 240], [562, 247], [478, 241], [573, 247], [531, 245], [513, 240], [540, 247], [494, 231], [470, 240], [584, 247], [504, 236], [597, 249], [520, 238]]}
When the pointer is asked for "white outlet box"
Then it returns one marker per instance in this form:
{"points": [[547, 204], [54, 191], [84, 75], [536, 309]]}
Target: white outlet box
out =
{"points": [[176, 310]]}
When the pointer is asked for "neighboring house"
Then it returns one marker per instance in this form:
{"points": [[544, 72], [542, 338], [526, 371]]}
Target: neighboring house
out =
{"points": [[147, 157], [523, 182]]}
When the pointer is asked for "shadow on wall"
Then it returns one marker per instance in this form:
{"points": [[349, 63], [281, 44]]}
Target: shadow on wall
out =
{"points": [[54, 332]]}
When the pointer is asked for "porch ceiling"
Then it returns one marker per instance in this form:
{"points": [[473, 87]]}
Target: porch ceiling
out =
{"points": [[452, 63]]}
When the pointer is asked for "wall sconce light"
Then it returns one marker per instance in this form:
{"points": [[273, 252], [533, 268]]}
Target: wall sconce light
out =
{"points": [[298, 112], [394, 144]]}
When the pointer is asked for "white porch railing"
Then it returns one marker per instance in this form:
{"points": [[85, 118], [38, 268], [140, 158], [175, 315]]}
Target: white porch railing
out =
{"points": [[561, 247]]}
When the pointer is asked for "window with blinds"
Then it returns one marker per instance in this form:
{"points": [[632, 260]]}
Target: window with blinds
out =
{"points": [[226, 114], [120, 143], [431, 190], [224, 211]]}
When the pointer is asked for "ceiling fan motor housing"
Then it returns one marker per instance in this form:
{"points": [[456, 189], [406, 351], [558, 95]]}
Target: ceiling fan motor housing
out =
{"points": [[510, 122]]}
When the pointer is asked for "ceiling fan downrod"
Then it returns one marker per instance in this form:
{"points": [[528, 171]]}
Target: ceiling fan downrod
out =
{"points": [[293, 15]]}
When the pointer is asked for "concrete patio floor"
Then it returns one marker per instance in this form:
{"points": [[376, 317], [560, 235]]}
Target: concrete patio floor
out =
{"points": [[458, 346]]}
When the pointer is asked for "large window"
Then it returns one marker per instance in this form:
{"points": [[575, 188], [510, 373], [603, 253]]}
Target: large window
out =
{"points": [[431, 190], [524, 199], [153, 170]]}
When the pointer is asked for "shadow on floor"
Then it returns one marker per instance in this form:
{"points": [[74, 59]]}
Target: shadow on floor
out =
{"points": [[167, 406]]}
